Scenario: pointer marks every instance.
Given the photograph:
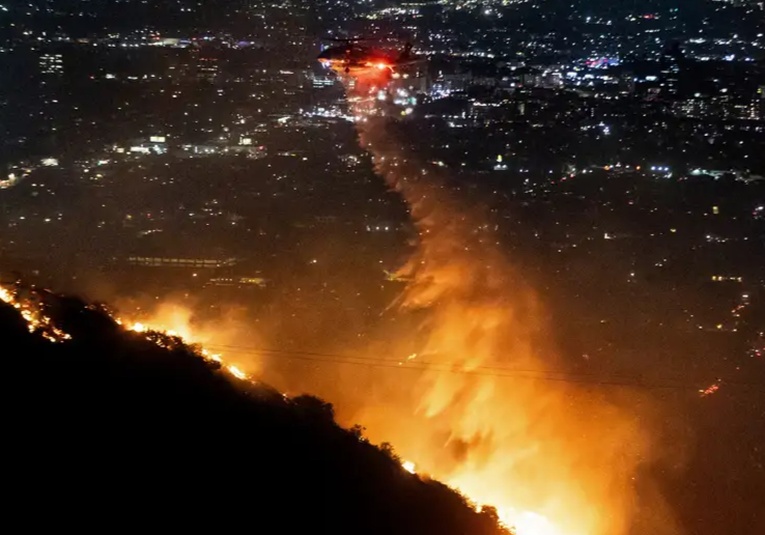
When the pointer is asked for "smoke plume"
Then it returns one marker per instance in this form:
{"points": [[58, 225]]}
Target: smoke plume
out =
{"points": [[475, 396], [491, 417]]}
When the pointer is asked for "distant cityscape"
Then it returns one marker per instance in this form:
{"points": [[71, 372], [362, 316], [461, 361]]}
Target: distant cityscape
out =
{"points": [[196, 152], [618, 148]]}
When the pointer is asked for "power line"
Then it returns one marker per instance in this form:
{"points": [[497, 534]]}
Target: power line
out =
{"points": [[587, 378], [408, 360]]}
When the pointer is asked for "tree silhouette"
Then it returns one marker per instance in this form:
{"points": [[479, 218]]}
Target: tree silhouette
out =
{"points": [[114, 429]]}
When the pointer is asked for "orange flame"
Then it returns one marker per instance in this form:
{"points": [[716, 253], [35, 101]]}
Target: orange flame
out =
{"points": [[552, 460], [176, 321], [32, 312], [409, 466], [175, 317]]}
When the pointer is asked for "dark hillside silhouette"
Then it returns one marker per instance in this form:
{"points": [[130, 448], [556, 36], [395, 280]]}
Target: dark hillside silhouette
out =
{"points": [[110, 431]]}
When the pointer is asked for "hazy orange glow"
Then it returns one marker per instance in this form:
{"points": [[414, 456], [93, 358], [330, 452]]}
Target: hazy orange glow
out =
{"points": [[236, 371], [174, 320], [528, 523], [409, 466], [33, 314], [553, 458]]}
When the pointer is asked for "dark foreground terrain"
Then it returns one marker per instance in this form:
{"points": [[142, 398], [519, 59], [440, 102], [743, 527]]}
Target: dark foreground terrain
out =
{"points": [[110, 429]]}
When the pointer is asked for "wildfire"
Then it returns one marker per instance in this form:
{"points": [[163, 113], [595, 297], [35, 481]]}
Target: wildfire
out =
{"points": [[185, 334], [545, 458], [236, 372], [32, 310], [175, 321], [552, 460], [520, 522], [529, 523]]}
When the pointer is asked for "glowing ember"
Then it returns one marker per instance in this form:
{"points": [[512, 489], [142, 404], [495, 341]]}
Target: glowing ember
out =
{"points": [[5, 296], [32, 312], [212, 356], [526, 523], [233, 369]]}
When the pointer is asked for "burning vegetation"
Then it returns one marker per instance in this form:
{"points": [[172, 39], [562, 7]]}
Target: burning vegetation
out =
{"points": [[555, 458], [113, 423], [481, 405], [534, 458]]}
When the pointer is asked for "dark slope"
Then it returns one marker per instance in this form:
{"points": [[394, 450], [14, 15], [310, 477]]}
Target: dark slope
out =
{"points": [[110, 430]]}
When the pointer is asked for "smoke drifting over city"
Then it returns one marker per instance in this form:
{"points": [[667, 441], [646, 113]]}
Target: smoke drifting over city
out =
{"points": [[514, 244], [530, 447]]}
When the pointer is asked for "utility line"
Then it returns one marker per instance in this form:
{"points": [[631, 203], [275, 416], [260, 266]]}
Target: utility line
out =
{"points": [[588, 378]]}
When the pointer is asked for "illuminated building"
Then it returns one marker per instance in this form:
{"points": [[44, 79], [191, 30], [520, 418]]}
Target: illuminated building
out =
{"points": [[749, 111], [238, 282], [184, 263], [696, 108], [322, 80], [51, 64], [207, 69]]}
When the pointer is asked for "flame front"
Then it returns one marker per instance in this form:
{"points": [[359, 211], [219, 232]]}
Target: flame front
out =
{"points": [[34, 314], [31, 309], [553, 459], [528, 523], [176, 323], [409, 466]]}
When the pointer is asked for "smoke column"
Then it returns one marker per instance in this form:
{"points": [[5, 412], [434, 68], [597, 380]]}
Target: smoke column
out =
{"points": [[555, 458]]}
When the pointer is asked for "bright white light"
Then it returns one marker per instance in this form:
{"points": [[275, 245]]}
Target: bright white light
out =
{"points": [[529, 523], [237, 372]]}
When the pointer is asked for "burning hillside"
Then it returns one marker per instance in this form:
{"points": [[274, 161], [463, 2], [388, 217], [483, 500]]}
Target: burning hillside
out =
{"points": [[104, 422], [556, 459], [552, 458]]}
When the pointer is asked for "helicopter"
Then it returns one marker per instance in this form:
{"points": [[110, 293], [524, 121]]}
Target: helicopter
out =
{"points": [[354, 59]]}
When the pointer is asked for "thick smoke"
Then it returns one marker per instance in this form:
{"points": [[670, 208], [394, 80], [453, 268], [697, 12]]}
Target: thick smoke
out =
{"points": [[479, 401], [554, 457]]}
